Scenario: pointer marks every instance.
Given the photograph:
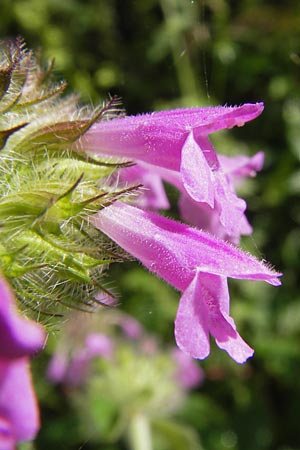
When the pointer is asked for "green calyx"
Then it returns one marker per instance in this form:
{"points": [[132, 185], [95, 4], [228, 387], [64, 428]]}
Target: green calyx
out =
{"points": [[50, 252]]}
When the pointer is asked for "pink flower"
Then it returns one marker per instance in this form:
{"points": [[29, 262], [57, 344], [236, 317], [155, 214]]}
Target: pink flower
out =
{"points": [[201, 214], [188, 374], [131, 328], [71, 364], [239, 167], [178, 140], [196, 264], [72, 369], [20, 338]]}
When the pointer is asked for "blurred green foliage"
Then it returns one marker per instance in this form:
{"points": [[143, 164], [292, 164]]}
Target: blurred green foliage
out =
{"points": [[171, 53]]}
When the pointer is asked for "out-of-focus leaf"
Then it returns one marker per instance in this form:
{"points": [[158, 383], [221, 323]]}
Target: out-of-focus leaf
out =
{"points": [[174, 436]]}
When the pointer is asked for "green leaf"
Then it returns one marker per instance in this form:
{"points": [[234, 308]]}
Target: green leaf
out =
{"points": [[176, 435]]}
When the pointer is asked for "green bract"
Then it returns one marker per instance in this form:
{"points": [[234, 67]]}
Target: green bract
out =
{"points": [[49, 251]]}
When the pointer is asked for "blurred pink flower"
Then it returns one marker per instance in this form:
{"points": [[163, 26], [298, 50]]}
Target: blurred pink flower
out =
{"points": [[131, 328], [72, 368], [195, 263], [188, 374], [20, 338], [71, 364]]}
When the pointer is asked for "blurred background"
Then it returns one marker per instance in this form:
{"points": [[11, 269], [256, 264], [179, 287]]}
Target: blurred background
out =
{"points": [[158, 54]]}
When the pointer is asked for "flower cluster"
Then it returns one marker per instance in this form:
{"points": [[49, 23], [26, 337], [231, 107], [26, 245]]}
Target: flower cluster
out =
{"points": [[110, 358], [80, 189], [174, 146], [100, 337]]}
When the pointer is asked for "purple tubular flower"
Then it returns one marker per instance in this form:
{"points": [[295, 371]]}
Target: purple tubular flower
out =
{"points": [[157, 138], [195, 263], [20, 338], [206, 217], [178, 140]]}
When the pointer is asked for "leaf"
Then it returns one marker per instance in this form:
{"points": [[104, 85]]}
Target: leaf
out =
{"points": [[5, 134], [177, 436]]}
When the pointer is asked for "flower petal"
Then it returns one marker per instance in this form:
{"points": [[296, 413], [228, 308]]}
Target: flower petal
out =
{"points": [[228, 339], [191, 323], [202, 310], [241, 166], [221, 325], [196, 173], [231, 207], [19, 336], [17, 399]]}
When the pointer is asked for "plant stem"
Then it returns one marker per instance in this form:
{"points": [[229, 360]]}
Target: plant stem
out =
{"points": [[140, 433]]}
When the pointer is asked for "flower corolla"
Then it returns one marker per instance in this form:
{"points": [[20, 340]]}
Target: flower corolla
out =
{"points": [[195, 263]]}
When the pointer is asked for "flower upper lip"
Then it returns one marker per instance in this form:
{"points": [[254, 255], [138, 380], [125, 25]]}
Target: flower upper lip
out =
{"points": [[157, 137]]}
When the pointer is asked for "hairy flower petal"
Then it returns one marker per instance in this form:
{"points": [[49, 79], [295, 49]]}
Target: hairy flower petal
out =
{"points": [[192, 322]]}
